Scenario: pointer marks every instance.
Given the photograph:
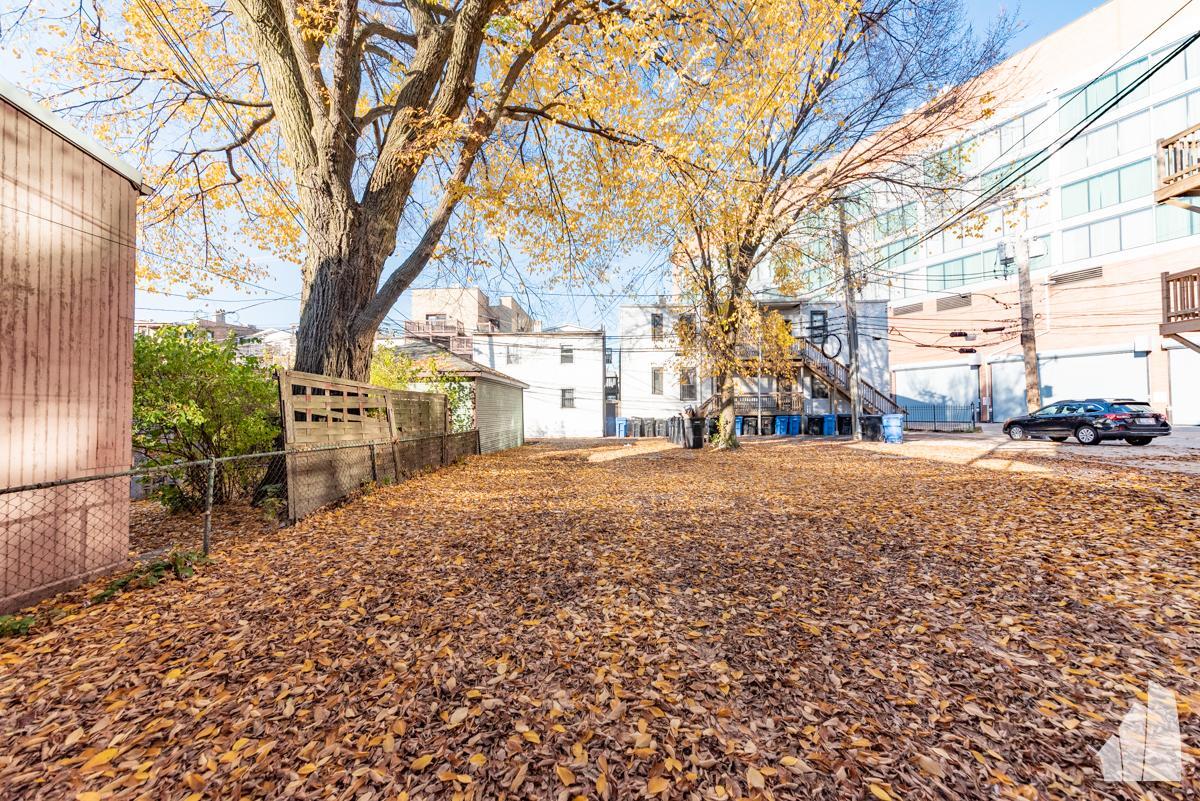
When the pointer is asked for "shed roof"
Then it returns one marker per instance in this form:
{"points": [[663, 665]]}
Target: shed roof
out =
{"points": [[454, 364], [21, 99]]}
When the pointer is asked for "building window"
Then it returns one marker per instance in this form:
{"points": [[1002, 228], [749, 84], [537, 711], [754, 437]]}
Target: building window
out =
{"points": [[687, 385], [1126, 232], [566, 354], [687, 324], [656, 381], [568, 398], [1108, 189], [512, 354], [608, 355], [436, 319], [656, 327], [818, 325]]}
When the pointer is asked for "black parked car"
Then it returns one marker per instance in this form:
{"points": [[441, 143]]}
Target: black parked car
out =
{"points": [[1091, 421]]}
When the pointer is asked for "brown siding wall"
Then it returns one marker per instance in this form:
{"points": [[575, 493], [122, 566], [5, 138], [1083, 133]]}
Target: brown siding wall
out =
{"points": [[66, 321]]}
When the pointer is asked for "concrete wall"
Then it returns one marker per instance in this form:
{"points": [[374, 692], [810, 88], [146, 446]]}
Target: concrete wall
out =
{"points": [[536, 359]]}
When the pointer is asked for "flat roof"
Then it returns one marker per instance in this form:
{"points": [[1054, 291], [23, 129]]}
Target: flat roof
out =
{"points": [[46, 118]]}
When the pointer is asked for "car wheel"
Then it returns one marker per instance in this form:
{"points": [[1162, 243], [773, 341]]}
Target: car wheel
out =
{"points": [[1087, 435], [1016, 432], [1139, 440], [1058, 439]]}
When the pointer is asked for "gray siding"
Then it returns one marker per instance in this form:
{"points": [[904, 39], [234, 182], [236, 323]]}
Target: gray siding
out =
{"points": [[499, 415]]}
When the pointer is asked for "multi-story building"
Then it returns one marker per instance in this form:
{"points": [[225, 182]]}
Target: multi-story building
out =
{"points": [[565, 366], [656, 382], [1101, 243]]}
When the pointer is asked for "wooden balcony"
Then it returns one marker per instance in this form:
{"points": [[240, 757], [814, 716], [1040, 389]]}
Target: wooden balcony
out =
{"points": [[1179, 169], [1181, 305], [426, 328]]}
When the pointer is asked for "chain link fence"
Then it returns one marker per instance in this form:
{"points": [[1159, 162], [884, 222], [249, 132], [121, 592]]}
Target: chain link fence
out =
{"points": [[56, 534]]}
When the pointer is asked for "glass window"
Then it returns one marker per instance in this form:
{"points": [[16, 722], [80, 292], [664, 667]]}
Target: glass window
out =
{"points": [[568, 398], [1136, 180], [1042, 260], [1137, 229], [1075, 199], [1072, 110], [1133, 133], [1102, 145], [1104, 190], [656, 327], [935, 277], [1130, 74], [1074, 156], [1173, 74], [687, 385], [1170, 118], [566, 354], [1172, 222], [1075, 244], [1191, 59], [656, 381], [1105, 237], [1100, 92], [512, 354], [972, 269]]}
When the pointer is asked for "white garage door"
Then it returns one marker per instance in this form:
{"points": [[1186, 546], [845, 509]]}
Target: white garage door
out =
{"points": [[1100, 375], [499, 415], [1185, 387], [954, 385], [1008, 390]]}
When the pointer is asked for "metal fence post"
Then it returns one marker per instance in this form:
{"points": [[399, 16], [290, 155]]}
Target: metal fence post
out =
{"points": [[208, 504], [374, 466], [443, 449]]}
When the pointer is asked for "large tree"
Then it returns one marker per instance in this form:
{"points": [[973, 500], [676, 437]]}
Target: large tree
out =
{"points": [[329, 130], [740, 153]]}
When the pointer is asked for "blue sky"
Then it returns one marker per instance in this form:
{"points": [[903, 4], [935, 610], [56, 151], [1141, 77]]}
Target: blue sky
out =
{"points": [[556, 306]]}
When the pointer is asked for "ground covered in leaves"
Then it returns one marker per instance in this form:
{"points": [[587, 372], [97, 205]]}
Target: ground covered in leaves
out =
{"points": [[791, 620]]}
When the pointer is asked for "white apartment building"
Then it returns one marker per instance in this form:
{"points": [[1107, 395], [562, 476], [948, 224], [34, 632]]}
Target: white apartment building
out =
{"points": [[563, 366], [655, 383], [1105, 243]]}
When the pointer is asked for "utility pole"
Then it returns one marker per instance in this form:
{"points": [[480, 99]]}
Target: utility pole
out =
{"points": [[1033, 388], [851, 325], [758, 381]]}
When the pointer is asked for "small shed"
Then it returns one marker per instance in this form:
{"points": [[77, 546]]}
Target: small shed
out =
{"points": [[498, 400], [67, 251]]}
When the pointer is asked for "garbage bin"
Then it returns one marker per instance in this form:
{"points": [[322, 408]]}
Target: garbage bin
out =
{"points": [[845, 425], [781, 425], [893, 428], [872, 427], [829, 426], [794, 421], [693, 432], [622, 426], [749, 426], [737, 425], [814, 425]]}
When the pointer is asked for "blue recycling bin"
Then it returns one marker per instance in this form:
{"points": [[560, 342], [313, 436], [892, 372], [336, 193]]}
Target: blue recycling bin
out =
{"points": [[829, 426], [737, 425], [794, 425], [622, 426], [781, 425], [893, 428]]}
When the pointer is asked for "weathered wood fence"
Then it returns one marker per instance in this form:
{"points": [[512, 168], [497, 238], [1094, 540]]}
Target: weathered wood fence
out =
{"points": [[403, 433]]}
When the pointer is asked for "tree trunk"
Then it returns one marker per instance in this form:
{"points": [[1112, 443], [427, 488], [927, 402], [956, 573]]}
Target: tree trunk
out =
{"points": [[340, 280], [726, 433]]}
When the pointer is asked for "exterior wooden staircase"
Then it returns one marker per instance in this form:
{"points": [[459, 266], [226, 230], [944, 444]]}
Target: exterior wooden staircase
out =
{"points": [[833, 372], [837, 375]]}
